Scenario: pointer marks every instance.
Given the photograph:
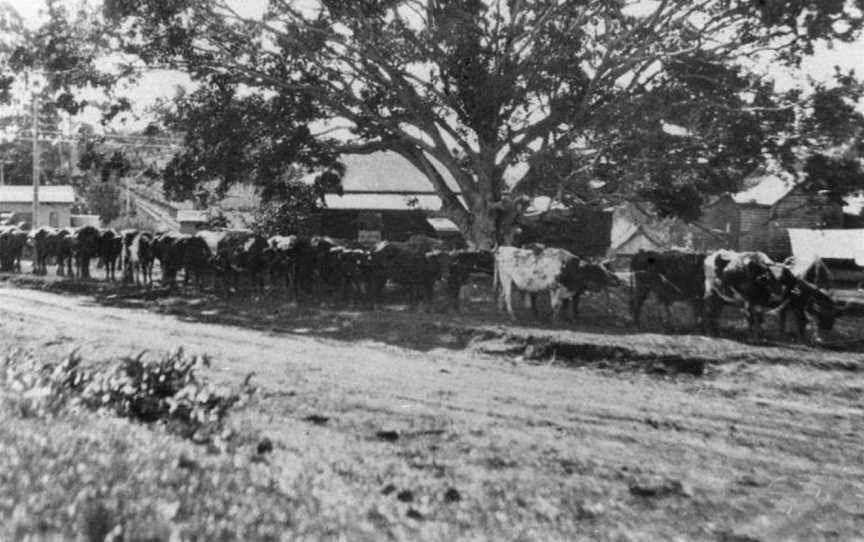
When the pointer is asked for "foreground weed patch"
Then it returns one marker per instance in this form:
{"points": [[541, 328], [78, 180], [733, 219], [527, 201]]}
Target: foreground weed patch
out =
{"points": [[94, 453], [167, 391]]}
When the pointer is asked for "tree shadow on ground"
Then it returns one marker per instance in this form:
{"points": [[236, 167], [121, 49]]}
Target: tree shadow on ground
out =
{"points": [[394, 322]]}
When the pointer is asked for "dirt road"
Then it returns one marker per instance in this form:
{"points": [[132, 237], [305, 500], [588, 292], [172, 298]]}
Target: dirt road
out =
{"points": [[747, 452]]}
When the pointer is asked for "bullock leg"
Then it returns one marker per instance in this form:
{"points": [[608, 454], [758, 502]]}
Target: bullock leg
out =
{"points": [[713, 307], [667, 310], [754, 321], [507, 291], [429, 294], [800, 323], [291, 286], [574, 306], [533, 300], [636, 302], [698, 312], [556, 300]]}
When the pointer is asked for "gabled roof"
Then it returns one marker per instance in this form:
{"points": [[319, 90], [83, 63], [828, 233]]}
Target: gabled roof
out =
{"points": [[635, 232], [625, 235], [47, 194], [764, 189]]}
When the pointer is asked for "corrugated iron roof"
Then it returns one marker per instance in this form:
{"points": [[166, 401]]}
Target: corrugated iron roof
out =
{"points": [[192, 215], [765, 189], [387, 172], [383, 202], [47, 194], [443, 225]]}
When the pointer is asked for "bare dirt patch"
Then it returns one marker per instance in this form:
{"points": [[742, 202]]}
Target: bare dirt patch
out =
{"points": [[378, 434]]}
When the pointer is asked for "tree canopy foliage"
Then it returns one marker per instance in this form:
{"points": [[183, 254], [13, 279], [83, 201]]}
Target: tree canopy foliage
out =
{"points": [[232, 138], [601, 98]]}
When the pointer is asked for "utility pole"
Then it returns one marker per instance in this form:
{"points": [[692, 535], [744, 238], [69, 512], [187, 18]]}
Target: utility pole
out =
{"points": [[34, 223]]}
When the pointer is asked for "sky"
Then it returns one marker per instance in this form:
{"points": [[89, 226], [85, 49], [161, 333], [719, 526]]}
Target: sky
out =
{"points": [[161, 84]]}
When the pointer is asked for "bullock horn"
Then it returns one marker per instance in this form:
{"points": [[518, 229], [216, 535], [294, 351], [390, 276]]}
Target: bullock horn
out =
{"points": [[737, 300], [778, 308]]}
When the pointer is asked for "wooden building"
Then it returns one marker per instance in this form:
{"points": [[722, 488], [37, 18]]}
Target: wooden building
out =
{"points": [[773, 205], [192, 220], [55, 204], [384, 198], [635, 226]]}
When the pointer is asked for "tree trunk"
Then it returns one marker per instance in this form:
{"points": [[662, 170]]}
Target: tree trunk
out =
{"points": [[488, 224], [481, 233]]}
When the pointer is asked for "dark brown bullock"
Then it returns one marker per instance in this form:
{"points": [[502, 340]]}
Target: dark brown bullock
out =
{"points": [[168, 249], [345, 273], [39, 242], [85, 247], [242, 253], [62, 246], [281, 254], [672, 277], [12, 243], [463, 264], [408, 266], [580, 276], [109, 249], [196, 260], [748, 279], [808, 298]]}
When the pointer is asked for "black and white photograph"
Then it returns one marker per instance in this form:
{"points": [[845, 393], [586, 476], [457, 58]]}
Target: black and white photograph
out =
{"points": [[431, 270]]}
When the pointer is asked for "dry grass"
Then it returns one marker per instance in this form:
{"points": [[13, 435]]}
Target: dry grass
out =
{"points": [[388, 427]]}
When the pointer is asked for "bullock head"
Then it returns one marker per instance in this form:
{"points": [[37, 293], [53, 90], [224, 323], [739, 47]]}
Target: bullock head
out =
{"points": [[440, 262], [611, 278], [823, 308], [579, 275]]}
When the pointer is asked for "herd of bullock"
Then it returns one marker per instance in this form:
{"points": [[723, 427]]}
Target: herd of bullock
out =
{"points": [[306, 267]]}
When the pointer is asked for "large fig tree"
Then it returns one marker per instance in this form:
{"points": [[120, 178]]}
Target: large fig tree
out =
{"points": [[486, 90]]}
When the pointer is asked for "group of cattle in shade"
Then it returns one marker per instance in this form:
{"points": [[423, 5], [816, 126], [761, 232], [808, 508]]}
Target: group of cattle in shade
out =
{"points": [[323, 267], [241, 260], [750, 280]]}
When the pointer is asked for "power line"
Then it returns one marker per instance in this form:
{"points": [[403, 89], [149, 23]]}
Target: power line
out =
{"points": [[174, 140], [68, 140]]}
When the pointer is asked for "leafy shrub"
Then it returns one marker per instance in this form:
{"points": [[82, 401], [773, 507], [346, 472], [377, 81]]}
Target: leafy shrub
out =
{"points": [[166, 391], [103, 199], [286, 207], [217, 221]]}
